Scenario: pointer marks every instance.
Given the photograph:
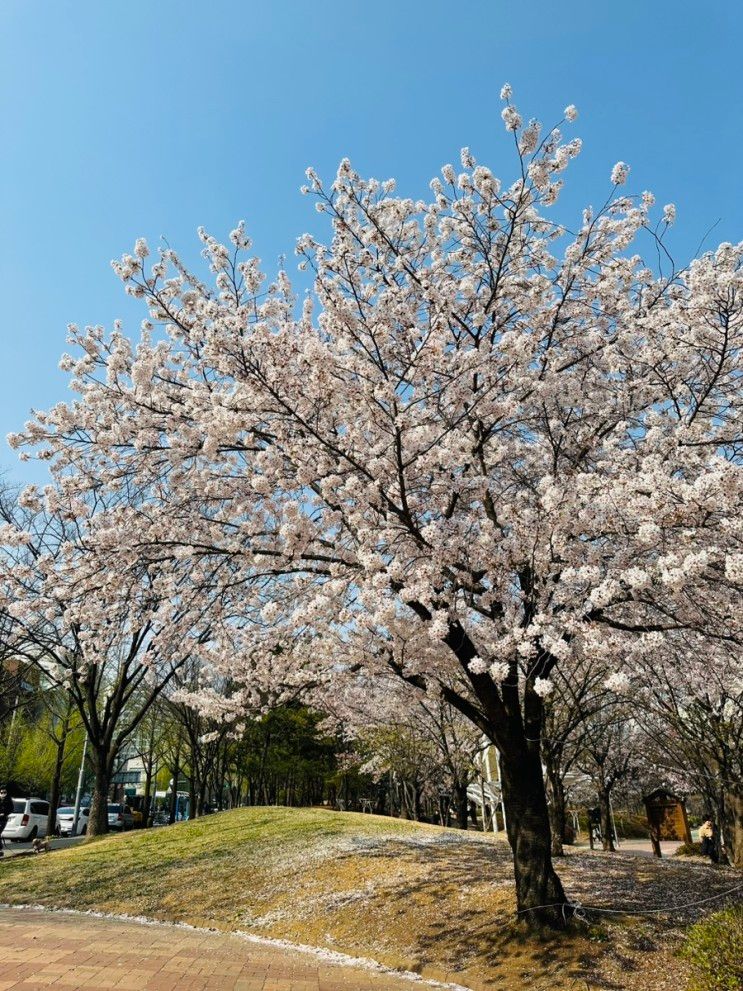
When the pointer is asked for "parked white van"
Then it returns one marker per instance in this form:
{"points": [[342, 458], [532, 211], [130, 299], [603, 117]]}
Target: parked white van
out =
{"points": [[27, 820]]}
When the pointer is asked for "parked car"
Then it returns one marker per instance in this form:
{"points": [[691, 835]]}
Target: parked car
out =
{"points": [[66, 819], [120, 817], [27, 820]]}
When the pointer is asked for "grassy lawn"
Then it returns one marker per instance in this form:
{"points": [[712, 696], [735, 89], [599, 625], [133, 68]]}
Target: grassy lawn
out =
{"points": [[409, 895]]}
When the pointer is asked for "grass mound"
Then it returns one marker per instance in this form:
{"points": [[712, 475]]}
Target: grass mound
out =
{"points": [[418, 897]]}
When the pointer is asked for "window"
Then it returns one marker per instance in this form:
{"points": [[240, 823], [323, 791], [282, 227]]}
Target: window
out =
{"points": [[65, 812], [40, 808], [19, 805]]}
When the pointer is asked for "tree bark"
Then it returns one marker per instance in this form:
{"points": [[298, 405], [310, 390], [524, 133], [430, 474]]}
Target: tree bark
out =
{"points": [[460, 792], [540, 896], [51, 824], [201, 798], [98, 821], [556, 808], [147, 797], [192, 796], [607, 833], [732, 826]]}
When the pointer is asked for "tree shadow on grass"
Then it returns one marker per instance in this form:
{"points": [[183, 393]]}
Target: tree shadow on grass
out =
{"points": [[452, 905]]}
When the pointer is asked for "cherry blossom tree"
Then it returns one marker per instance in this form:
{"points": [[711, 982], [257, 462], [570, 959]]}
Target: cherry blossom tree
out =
{"points": [[457, 744], [688, 695], [108, 641], [581, 692], [420, 737], [610, 754], [487, 441], [208, 717]]}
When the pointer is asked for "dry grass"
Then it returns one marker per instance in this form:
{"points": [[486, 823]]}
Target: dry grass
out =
{"points": [[439, 902]]}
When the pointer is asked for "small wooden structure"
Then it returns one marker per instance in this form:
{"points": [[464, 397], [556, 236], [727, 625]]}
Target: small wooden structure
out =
{"points": [[666, 818]]}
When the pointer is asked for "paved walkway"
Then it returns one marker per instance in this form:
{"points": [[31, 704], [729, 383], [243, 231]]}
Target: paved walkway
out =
{"points": [[40, 950], [643, 848], [57, 842]]}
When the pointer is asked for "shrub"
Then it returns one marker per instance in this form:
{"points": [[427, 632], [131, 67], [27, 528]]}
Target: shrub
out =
{"points": [[631, 826], [714, 947], [689, 850]]}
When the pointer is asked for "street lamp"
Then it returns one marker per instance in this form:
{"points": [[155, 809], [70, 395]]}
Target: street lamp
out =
{"points": [[79, 791]]}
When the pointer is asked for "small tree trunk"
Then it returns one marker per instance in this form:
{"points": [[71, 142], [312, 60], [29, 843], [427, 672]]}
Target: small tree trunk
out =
{"points": [[192, 796], [201, 799], [729, 826], [556, 808], [655, 841], [540, 897], [607, 833], [733, 827], [51, 823], [147, 800], [417, 809], [460, 792], [98, 821]]}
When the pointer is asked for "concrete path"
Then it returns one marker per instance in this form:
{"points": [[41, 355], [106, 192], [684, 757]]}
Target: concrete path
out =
{"points": [[643, 848], [40, 950]]}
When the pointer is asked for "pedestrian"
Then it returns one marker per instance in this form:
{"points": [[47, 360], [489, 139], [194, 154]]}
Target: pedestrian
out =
{"points": [[6, 808], [708, 837]]}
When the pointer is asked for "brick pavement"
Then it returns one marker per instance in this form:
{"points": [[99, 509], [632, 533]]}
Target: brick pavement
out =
{"points": [[43, 950]]}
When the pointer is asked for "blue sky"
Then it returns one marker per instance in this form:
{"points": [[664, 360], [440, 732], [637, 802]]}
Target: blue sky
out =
{"points": [[120, 120]]}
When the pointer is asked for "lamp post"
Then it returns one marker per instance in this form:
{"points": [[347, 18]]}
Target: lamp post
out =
{"points": [[78, 793]]}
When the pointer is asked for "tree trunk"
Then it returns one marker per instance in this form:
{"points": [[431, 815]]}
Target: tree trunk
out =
{"points": [[51, 823], [607, 832], [556, 808], [147, 798], [410, 800], [201, 798], [540, 897], [417, 808], [732, 826], [98, 821], [192, 796], [460, 792]]}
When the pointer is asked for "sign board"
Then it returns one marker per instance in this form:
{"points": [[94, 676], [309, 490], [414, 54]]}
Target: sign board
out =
{"points": [[126, 778], [667, 816]]}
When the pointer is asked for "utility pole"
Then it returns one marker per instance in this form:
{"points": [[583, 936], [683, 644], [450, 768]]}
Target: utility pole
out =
{"points": [[12, 718], [78, 793]]}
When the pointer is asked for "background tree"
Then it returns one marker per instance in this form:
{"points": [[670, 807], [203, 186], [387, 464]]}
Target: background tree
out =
{"points": [[112, 643], [62, 724], [609, 755], [579, 696], [691, 708]]}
